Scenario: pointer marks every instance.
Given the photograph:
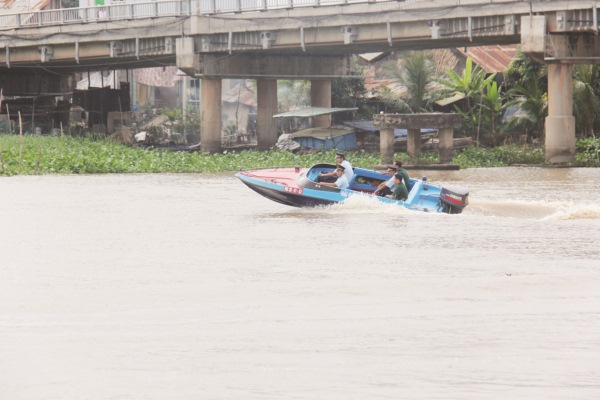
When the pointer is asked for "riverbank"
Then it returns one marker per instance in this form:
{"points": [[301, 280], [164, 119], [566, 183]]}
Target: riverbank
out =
{"points": [[31, 155]]}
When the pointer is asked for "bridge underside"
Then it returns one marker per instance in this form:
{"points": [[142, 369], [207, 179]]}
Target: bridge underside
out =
{"points": [[309, 43], [34, 82]]}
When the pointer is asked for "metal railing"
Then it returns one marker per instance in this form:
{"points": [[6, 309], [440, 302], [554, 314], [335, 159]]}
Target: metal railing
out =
{"points": [[114, 12], [228, 6], [135, 9]]}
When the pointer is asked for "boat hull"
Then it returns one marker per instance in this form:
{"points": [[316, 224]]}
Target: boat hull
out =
{"points": [[288, 198]]}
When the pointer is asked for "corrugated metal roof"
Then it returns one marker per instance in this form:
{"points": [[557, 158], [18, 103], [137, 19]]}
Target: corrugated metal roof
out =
{"points": [[240, 93], [312, 112], [322, 133], [450, 100], [491, 58], [372, 56], [367, 126]]}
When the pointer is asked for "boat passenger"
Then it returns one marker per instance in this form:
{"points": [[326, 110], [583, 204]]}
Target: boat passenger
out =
{"points": [[340, 158], [400, 193], [341, 182], [404, 174], [387, 187]]}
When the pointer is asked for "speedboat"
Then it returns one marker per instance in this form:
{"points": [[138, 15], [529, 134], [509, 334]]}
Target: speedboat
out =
{"points": [[299, 187]]}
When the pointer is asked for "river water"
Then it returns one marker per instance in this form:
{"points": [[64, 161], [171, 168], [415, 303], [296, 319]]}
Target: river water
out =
{"points": [[194, 287]]}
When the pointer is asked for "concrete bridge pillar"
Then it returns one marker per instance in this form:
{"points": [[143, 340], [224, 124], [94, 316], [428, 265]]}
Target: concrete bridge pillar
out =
{"points": [[266, 129], [386, 145], [210, 114], [413, 142], [446, 136], [560, 122], [320, 96]]}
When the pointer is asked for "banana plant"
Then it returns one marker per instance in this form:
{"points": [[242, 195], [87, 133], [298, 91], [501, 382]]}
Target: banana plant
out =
{"points": [[471, 84]]}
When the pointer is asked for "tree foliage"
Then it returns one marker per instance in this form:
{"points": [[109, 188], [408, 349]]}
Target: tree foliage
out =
{"points": [[350, 93], [586, 98], [471, 84], [415, 71]]}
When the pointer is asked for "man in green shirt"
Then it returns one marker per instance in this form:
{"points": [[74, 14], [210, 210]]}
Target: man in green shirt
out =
{"points": [[400, 193], [403, 172]]}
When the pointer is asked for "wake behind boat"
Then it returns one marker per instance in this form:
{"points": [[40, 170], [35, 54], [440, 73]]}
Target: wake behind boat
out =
{"points": [[298, 187]]}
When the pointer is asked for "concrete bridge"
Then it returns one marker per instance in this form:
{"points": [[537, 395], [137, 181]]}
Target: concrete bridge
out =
{"points": [[303, 39]]}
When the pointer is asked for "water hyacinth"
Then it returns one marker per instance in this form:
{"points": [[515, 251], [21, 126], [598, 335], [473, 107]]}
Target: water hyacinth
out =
{"points": [[69, 155]]}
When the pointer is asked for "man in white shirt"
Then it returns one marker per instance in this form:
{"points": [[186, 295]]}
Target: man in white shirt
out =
{"points": [[341, 181], [387, 187], [340, 158]]}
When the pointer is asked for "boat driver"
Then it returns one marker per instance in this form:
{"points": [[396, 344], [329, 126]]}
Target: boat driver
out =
{"points": [[340, 158], [387, 187], [341, 182]]}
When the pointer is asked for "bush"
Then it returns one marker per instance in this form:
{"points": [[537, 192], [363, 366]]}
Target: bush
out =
{"points": [[472, 157], [588, 152]]}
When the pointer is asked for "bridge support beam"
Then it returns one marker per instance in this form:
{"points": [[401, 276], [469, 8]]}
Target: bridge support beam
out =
{"points": [[560, 122], [210, 114], [266, 129], [320, 96], [249, 65]]}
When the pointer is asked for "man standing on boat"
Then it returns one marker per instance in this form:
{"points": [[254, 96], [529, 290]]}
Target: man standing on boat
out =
{"points": [[340, 158], [341, 182]]}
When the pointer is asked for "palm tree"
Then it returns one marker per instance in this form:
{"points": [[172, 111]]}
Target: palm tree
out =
{"points": [[392, 103], [527, 81], [415, 71], [585, 96], [530, 98]]}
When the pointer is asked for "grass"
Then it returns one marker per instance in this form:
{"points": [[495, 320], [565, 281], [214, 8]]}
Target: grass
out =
{"points": [[69, 155]]}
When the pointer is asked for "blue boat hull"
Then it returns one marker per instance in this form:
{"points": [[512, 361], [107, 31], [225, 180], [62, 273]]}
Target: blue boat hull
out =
{"points": [[289, 199]]}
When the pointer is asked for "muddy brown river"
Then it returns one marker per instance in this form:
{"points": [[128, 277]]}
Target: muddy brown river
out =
{"points": [[194, 287]]}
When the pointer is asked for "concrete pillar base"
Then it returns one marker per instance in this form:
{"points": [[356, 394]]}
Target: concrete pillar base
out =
{"points": [[210, 114], [446, 136], [413, 144], [560, 139], [386, 144]]}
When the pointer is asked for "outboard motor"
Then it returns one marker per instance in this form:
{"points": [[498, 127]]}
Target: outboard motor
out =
{"points": [[453, 199]]}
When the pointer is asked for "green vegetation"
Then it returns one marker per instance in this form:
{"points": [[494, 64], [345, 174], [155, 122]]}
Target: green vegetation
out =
{"points": [[415, 71], [471, 84], [495, 110], [68, 155]]}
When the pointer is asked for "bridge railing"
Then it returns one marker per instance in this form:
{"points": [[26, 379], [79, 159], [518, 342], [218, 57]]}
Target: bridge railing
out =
{"points": [[140, 9], [113, 12], [227, 6]]}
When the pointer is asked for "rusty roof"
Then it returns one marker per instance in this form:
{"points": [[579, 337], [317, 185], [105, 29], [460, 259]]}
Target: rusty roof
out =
{"points": [[240, 93], [491, 58]]}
